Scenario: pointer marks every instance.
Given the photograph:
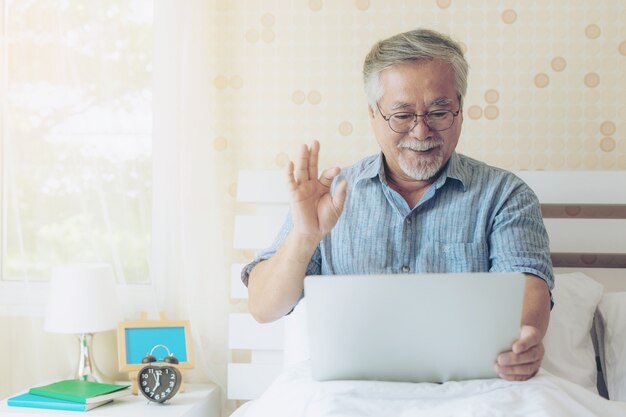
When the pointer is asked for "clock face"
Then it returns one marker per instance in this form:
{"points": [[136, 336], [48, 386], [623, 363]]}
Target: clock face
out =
{"points": [[159, 383]]}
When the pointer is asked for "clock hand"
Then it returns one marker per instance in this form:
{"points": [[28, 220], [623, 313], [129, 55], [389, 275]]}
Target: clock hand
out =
{"points": [[157, 376]]}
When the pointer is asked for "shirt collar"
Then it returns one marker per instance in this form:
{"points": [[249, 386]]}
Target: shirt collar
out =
{"points": [[454, 169], [372, 169]]}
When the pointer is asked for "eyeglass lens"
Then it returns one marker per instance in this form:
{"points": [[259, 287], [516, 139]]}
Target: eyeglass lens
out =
{"points": [[405, 122]]}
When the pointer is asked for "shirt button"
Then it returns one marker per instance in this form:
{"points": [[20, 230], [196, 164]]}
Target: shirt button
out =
{"points": [[405, 268], [409, 221]]}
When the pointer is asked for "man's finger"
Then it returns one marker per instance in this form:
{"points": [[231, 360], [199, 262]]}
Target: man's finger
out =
{"points": [[327, 177], [291, 180], [313, 159], [302, 166], [517, 377], [529, 337], [512, 372], [510, 358], [341, 191]]}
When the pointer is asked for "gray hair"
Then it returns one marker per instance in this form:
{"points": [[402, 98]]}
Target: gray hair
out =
{"points": [[419, 44]]}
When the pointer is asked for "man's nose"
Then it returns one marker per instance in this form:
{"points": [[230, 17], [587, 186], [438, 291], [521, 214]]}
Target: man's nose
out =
{"points": [[420, 131]]}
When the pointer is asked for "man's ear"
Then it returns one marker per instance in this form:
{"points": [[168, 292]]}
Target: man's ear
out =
{"points": [[371, 111]]}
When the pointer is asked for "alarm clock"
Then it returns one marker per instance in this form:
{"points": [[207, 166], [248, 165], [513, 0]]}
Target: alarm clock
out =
{"points": [[159, 381]]}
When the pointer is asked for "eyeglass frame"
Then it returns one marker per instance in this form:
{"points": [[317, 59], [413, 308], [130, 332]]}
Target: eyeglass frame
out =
{"points": [[424, 116]]}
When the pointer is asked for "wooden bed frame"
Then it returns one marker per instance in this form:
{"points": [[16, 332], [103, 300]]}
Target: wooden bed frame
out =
{"points": [[584, 212]]}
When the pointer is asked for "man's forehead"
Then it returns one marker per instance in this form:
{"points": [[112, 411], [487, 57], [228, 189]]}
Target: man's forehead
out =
{"points": [[424, 83]]}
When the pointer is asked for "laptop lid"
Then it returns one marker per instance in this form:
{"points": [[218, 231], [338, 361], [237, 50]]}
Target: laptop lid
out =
{"points": [[411, 327]]}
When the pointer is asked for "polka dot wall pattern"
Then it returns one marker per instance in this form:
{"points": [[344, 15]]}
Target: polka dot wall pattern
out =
{"points": [[222, 82], [509, 16], [265, 32], [220, 144], [312, 97], [363, 4], [490, 110], [444, 4], [546, 87], [315, 5]]}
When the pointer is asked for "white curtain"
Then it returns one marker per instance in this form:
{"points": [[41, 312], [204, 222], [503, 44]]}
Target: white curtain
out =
{"points": [[189, 267], [76, 171]]}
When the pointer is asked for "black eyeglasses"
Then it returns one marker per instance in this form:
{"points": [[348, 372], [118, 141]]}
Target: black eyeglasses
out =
{"points": [[437, 120]]}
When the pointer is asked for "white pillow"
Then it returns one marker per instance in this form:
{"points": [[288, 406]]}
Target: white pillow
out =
{"points": [[296, 338], [569, 351], [612, 316]]}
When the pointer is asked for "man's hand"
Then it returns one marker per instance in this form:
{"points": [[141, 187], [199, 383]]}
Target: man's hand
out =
{"points": [[524, 359], [276, 284], [314, 211]]}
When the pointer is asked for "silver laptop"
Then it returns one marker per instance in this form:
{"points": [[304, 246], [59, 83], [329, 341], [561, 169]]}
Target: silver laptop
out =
{"points": [[416, 328]]}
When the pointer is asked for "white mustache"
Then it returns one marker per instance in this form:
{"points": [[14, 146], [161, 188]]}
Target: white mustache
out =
{"points": [[420, 146]]}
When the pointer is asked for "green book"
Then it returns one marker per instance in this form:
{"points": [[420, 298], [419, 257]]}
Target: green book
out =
{"points": [[36, 401], [83, 392]]}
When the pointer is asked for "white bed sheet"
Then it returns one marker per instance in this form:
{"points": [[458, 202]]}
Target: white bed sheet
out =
{"points": [[295, 393]]}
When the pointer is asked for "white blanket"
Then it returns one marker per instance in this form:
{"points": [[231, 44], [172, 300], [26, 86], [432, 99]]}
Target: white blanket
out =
{"points": [[296, 394]]}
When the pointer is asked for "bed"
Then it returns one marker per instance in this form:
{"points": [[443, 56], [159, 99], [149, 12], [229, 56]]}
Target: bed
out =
{"points": [[584, 368]]}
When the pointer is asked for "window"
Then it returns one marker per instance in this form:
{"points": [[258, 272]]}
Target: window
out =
{"points": [[76, 135]]}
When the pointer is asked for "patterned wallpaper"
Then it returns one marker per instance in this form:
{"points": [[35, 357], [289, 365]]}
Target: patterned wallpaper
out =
{"points": [[547, 82]]}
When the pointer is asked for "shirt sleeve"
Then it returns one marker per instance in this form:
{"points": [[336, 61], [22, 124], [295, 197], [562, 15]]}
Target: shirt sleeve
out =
{"points": [[519, 241], [314, 267]]}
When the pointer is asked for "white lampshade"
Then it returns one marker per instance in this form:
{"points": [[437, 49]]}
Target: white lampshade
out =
{"points": [[82, 300]]}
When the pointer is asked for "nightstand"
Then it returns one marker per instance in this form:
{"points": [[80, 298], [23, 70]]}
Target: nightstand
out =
{"points": [[198, 400]]}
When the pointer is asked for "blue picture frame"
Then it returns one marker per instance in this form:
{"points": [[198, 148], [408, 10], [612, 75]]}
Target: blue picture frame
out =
{"points": [[136, 339]]}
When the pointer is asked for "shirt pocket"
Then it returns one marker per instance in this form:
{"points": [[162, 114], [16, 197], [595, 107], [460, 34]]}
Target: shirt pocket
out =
{"points": [[462, 257]]}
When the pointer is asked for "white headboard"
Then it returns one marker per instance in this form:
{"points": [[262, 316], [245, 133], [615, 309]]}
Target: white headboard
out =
{"points": [[584, 212]]}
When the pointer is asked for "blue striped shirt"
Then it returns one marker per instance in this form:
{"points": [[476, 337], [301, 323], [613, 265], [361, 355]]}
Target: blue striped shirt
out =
{"points": [[473, 218]]}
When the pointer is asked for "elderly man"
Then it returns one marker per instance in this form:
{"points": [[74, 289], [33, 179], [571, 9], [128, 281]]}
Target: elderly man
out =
{"points": [[417, 206]]}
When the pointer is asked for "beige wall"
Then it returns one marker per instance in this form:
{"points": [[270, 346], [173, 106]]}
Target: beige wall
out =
{"points": [[546, 86]]}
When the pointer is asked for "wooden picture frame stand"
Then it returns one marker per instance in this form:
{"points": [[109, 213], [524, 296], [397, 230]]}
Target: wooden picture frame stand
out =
{"points": [[135, 339]]}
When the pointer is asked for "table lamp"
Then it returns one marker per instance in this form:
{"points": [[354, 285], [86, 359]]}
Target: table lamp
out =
{"points": [[83, 301]]}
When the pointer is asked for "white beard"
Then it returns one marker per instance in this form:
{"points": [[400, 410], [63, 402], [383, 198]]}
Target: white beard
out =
{"points": [[421, 168]]}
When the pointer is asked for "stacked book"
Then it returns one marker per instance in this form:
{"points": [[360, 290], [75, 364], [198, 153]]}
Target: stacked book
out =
{"points": [[71, 394]]}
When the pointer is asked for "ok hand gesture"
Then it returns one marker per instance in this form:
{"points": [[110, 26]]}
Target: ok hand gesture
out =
{"points": [[314, 210]]}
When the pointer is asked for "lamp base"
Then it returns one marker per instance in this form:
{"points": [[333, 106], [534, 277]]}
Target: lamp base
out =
{"points": [[87, 370]]}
